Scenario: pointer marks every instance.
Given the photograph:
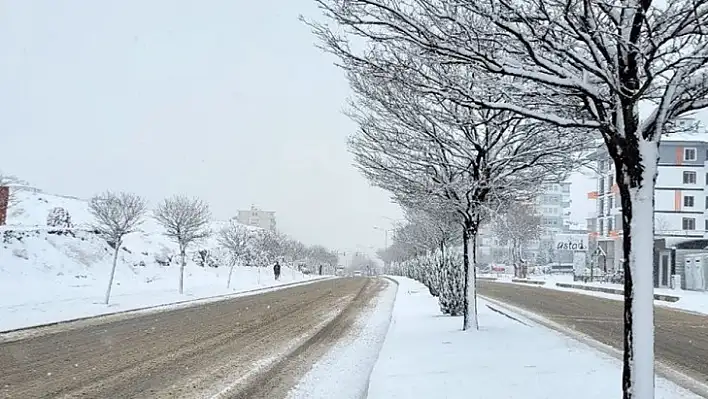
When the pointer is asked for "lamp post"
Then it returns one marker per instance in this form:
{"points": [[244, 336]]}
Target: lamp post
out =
{"points": [[385, 235]]}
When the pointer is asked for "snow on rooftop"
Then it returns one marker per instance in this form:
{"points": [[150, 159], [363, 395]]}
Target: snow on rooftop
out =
{"points": [[701, 136]]}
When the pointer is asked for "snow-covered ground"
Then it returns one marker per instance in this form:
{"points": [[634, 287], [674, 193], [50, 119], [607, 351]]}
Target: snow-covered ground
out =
{"points": [[49, 275], [425, 355], [343, 373], [694, 301]]}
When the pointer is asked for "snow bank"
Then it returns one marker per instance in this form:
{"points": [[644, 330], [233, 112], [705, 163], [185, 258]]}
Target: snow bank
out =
{"points": [[426, 355], [343, 373], [49, 274]]}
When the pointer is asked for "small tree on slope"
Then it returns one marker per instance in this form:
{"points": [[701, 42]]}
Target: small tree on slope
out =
{"points": [[116, 215], [238, 241], [185, 220]]}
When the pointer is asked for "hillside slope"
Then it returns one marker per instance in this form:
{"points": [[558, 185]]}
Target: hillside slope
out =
{"points": [[49, 274]]}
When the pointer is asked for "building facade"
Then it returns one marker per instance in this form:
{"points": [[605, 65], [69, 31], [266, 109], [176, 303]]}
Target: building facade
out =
{"points": [[681, 196], [258, 218], [553, 208]]}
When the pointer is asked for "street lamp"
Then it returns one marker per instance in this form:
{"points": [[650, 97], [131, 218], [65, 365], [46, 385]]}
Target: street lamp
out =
{"points": [[385, 235]]}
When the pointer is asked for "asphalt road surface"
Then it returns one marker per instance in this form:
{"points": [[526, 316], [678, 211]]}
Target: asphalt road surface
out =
{"points": [[211, 350], [681, 337]]}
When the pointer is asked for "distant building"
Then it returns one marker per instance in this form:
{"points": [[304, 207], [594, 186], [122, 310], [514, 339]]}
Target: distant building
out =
{"points": [[257, 218], [552, 206]]}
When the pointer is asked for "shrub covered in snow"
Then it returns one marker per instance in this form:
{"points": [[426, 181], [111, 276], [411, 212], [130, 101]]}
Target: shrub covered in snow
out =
{"points": [[442, 274], [205, 257], [59, 217]]}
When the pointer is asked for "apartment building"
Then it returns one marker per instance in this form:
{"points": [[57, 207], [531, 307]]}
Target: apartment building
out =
{"points": [[553, 207], [258, 218], [681, 195]]}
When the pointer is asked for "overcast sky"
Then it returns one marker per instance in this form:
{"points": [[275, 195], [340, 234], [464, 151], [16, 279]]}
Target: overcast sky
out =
{"points": [[228, 100]]}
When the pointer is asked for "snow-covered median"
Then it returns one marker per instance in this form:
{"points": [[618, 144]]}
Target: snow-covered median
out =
{"points": [[343, 372], [426, 355]]}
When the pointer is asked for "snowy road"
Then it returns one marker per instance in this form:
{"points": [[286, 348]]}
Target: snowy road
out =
{"points": [[222, 349], [681, 337]]}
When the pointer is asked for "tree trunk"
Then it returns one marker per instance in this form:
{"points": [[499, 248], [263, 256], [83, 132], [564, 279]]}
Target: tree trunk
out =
{"points": [[465, 276], [231, 271], [183, 264], [113, 271], [469, 238], [636, 185]]}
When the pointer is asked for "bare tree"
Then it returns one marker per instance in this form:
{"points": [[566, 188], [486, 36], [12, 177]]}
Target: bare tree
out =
{"points": [[115, 216], [432, 153], [238, 240], [185, 220], [574, 63], [518, 225]]}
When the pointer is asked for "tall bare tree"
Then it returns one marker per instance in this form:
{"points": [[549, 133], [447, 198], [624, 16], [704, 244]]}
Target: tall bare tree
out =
{"points": [[433, 153], [115, 216], [575, 63], [185, 220]]}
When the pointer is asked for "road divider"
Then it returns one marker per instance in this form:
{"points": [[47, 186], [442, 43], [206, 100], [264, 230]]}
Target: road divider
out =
{"points": [[525, 281], [616, 291]]}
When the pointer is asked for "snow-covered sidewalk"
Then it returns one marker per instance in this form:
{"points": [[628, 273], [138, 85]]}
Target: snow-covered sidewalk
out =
{"points": [[425, 355], [343, 373]]}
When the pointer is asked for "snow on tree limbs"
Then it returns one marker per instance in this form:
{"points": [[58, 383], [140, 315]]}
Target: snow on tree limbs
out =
{"points": [[580, 64]]}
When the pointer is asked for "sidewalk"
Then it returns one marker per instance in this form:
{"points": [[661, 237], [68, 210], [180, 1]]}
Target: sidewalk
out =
{"points": [[425, 355]]}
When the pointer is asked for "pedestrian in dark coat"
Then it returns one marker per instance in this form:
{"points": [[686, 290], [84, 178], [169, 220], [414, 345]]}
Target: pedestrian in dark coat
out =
{"points": [[276, 270]]}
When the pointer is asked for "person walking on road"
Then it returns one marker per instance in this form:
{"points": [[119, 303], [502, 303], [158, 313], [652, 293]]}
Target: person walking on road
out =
{"points": [[276, 270]]}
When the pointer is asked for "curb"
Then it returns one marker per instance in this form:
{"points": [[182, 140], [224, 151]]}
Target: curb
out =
{"points": [[616, 291], [487, 278], [158, 308], [534, 282]]}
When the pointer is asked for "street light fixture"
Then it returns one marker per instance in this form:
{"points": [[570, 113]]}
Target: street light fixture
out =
{"points": [[385, 235]]}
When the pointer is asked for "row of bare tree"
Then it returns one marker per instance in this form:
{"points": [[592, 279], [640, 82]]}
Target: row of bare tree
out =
{"points": [[187, 221], [465, 105]]}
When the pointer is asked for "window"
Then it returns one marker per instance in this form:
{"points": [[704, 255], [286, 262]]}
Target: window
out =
{"points": [[706, 226], [688, 223], [602, 185], [688, 200], [706, 202], [706, 177], [609, 184], [601, 203], [601, 226], [689, 177], [601, 166], [610, 227], [689, 154]]}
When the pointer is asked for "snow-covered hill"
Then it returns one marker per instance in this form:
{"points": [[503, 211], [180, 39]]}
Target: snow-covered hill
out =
{"points": [[49, 274]]}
